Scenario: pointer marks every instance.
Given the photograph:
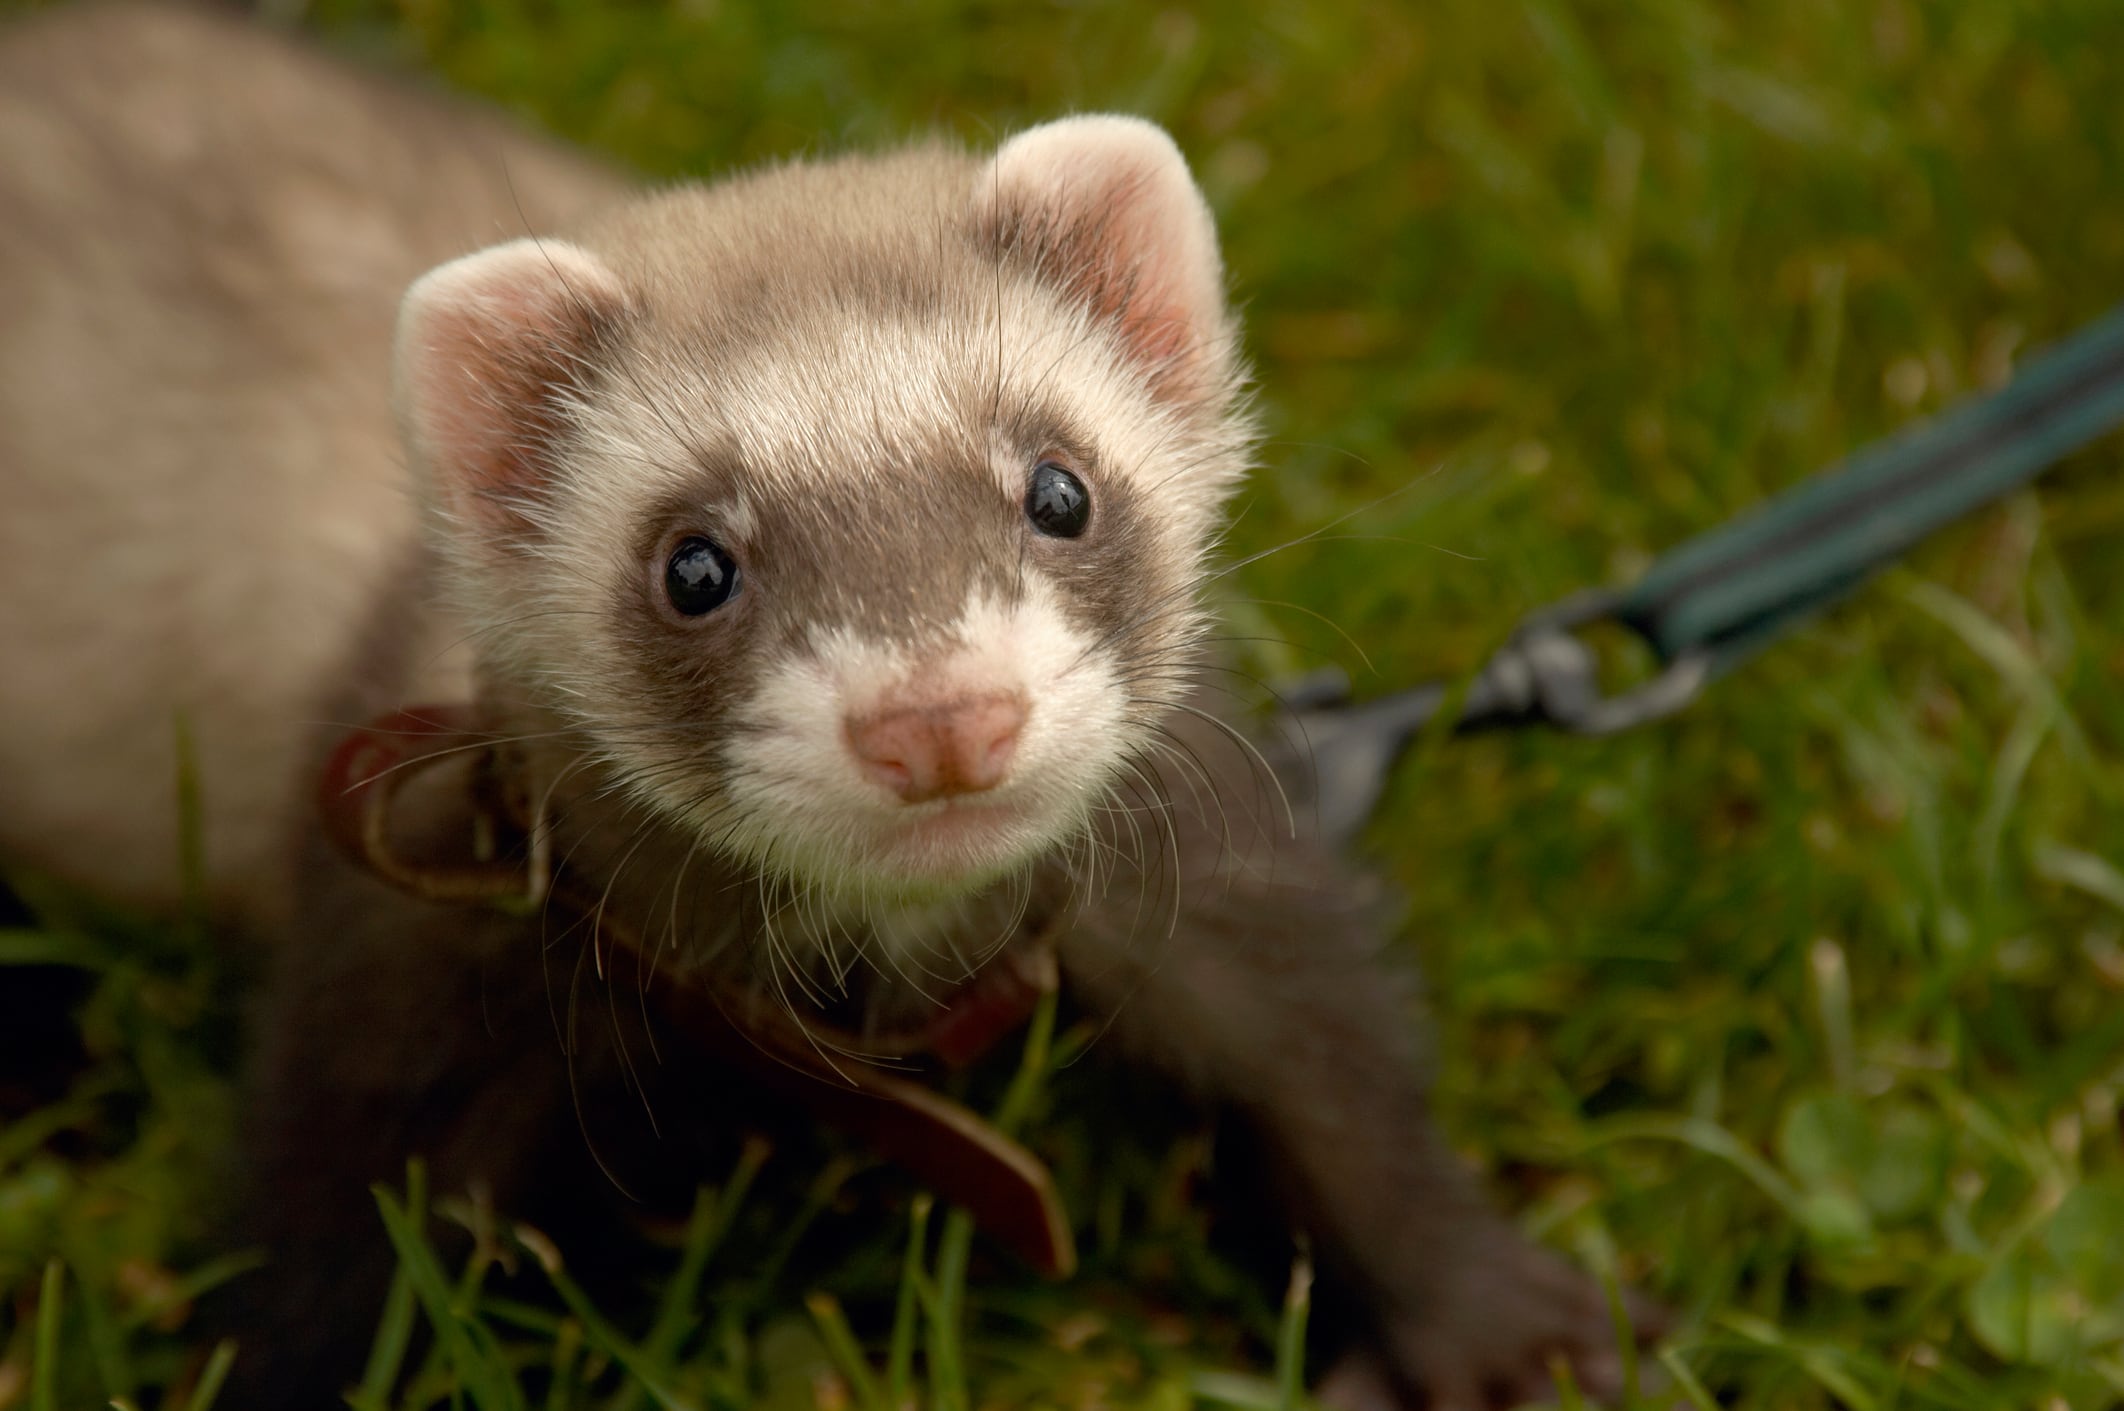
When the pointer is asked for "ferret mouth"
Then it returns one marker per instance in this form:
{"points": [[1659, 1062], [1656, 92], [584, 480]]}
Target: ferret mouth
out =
{"points": [[957, 842]]}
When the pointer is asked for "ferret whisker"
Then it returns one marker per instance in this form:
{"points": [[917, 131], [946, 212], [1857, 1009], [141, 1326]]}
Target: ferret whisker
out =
{"points": [[1320, 533], [575, 1090], [597, 915], [1258, 772], [475, 634], [1154, 810], [1166, 745], [1147, 868], [897, 963], [1081, 857], [779, 966], [1163, 744], [429, 756], [1177, 750], [1238, 738], [1182, 601], [1353, 644]]}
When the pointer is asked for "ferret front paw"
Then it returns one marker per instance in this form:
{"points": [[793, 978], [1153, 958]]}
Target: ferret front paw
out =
{"points": [[1488, 1335]]}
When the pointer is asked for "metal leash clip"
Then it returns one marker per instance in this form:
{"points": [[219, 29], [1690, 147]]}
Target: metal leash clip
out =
{"points": [[1544, 674]]}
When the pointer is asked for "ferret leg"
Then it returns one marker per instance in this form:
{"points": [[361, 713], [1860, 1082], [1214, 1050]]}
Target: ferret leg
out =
{"points": [[392, 1029], [1269, 998]]}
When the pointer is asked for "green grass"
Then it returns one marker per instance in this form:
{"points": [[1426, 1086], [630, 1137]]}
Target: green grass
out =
{"points": [[1804, 1011]]}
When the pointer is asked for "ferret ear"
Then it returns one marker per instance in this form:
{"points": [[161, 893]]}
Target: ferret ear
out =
{"points": [[489, 349], [1104, 206]]}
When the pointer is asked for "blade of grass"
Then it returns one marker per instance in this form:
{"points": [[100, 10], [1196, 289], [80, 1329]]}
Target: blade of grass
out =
{"points": [[847, 1354], [477, 1219], [1625, 1332], [2084, 871], [598, 1332], [387, 1352], [20, 945], [26, 1134], [835, 1174], [479, 1374], [567, 1347], [947, 1309], [1685, 1379], [947, 1383], [107, 1348], [527, 1316], [394, 1328], [1830, 975], [1241, 1389], [1026, 1083], [1710, 1139], [211, 1377], [189, 1289], [899, 1358], [1290, 1335], [1817, 1361], [947, 1313], [713, 1213], [44, 1371], [1568, 1396]]}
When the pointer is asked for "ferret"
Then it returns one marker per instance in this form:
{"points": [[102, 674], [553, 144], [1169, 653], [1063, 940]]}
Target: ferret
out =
{"points": [[827, 544]]}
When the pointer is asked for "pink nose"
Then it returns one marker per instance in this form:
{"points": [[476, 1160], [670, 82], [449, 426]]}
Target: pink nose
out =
{"points": [[934, 751]]}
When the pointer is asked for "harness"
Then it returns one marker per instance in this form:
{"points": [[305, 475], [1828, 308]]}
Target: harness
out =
{"points": [[834, 1073]]}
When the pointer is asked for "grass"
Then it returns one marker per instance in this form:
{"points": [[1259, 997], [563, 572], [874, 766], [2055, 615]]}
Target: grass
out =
{"points": [[1804, 1011]]}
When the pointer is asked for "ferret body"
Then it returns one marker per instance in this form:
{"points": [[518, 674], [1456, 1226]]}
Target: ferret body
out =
{"points": [[825, 543], [203, 233]]}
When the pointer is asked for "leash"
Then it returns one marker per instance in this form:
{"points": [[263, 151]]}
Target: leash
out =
{"points": [[1709, 604]]}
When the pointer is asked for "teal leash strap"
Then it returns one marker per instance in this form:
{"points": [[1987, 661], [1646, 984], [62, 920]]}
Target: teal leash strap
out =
{"points": [[1733, 590], [1709, 604]]}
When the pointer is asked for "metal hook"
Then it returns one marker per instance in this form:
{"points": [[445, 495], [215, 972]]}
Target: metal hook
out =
{"points": [[1544, 674]]}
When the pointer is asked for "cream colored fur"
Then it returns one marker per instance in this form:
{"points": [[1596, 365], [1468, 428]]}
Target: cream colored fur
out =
{"points": [[746, 329], [203, 237]]}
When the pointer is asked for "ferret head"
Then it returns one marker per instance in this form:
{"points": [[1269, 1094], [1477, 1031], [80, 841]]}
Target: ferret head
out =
{"points": [[852, 511]]}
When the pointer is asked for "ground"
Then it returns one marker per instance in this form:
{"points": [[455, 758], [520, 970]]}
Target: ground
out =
{"points": [[1803, 1011]]}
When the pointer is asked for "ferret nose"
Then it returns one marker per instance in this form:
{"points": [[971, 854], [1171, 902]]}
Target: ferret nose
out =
{"points": [[935, 751]]}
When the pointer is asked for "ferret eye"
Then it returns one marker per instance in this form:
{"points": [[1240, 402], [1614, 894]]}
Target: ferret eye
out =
{"points": [[700, 577], [1057, 503]]}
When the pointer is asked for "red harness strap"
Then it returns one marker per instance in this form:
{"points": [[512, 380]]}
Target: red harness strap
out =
{"points": [[949, 1147]]}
